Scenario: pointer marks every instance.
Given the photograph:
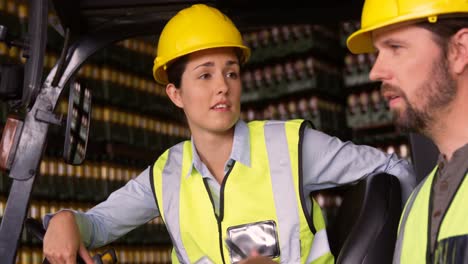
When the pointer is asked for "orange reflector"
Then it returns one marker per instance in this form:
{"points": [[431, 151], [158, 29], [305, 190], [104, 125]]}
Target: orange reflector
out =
{"points": [[9, 142]]}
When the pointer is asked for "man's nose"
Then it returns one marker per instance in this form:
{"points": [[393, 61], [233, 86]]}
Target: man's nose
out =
{"points": [[380, 71]]}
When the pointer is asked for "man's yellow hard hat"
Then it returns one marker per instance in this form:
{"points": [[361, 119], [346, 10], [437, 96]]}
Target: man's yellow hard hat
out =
{"points": [[377, 14], [193, 29]]}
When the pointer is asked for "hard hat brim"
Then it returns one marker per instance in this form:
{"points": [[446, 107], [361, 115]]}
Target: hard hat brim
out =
{"points": [[361, 40], [160, 74]]}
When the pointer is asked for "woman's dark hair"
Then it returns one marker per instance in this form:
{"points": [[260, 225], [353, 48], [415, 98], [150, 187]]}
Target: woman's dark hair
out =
{"points": [[445, 28], [177, 67]]}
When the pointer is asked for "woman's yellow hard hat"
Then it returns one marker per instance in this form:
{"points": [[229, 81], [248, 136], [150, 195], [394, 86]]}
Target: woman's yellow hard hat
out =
{"points": [[192, 29]]}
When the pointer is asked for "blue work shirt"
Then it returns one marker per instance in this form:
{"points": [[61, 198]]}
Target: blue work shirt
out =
{"points": [[327, 162]]}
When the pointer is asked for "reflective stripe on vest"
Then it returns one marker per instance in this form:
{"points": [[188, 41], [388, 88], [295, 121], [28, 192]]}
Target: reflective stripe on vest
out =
{"points": [[172, 185], [401, 228], [273, 180], [413, 234], [282, 183]]}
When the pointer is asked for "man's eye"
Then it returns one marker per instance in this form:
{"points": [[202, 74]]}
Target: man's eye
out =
{"points": [[395, 46]]}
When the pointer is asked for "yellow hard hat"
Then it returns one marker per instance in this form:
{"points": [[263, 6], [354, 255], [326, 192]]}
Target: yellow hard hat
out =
{"points": [[192, 29], [381, 13]]}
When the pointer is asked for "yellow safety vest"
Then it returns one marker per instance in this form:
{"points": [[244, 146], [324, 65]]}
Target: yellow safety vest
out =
{"points": [[413, 245], [269, 189]]}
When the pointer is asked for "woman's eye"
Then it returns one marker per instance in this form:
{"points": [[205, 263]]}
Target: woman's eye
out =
{"points": [[204, 76], [233, 75]]}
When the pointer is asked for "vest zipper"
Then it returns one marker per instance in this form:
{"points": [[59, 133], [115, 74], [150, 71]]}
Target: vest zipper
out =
{"points": [[219, 218], [309, 216], [429, 223]]}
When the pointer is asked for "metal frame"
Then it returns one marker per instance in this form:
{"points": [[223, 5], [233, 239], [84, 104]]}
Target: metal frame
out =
{"points": [[33, 136], [32, 139]]}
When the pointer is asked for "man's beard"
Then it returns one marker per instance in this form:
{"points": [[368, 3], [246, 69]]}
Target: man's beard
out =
{"points": [[436, 93]]}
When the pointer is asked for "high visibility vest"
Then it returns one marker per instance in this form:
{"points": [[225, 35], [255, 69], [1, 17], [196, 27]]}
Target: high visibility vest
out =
{"points": [[413, 245], [269, 189]]}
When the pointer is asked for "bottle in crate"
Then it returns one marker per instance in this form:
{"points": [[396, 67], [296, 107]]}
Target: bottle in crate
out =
{"points": [[66, 190], [251, 115], [9, 16], [90, 179], [268, 79], [283, 113], [404, 152], [141, 132], [3, 52], [276, 42], [300, 68], [303, 109], [25, 255], [37, 256], [363, 66], [2, 206], [103, 173], [49, 189], [314, 112], [309, 37], [310, 67], [247, 81], [252, 37], [379, 111], [288, 42], [352, 112], [290, 72], [265, 50], [82, 185], [292, 109], [259, 80], [365, 112], [22, 19], [279, 76], [113, 183]]}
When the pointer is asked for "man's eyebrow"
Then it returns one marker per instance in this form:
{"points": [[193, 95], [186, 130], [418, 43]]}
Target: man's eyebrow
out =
{"points": [[390, 41]]}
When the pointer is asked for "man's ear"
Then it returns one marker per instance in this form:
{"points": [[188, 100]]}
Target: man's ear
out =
{"points": [[458, 51], [174, 95]]}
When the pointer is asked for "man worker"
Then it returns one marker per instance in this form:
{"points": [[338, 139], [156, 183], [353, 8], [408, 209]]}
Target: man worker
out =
{"points": [[422, 62]]}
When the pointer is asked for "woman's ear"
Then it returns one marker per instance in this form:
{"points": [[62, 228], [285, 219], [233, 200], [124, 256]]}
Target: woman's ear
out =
{"points": [[460, 51], [174, 94]]}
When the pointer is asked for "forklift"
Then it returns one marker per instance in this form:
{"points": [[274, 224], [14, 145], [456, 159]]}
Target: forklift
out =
{"points": [[88, 26]]}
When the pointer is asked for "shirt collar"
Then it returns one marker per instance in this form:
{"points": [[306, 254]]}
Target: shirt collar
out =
{"points": [[459, 156], [240, 150]]}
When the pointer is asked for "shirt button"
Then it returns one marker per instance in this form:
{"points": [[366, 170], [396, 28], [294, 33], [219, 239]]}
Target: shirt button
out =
{"points": [[441, 165], [437, 214], [443, 186]]}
